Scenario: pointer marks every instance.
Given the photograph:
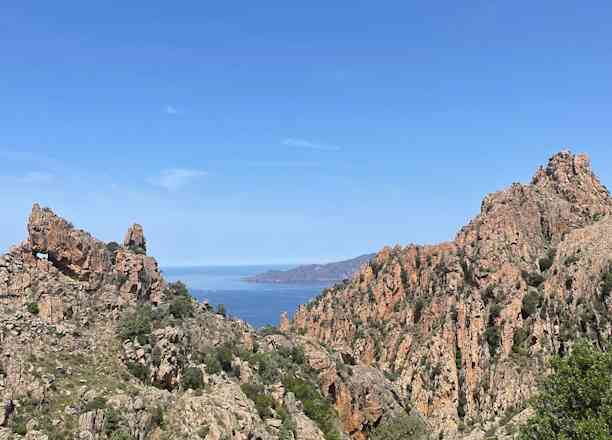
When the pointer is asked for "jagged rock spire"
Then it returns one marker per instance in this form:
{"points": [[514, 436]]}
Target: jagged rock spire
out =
{"points": [[571, 176], [135, 239]]}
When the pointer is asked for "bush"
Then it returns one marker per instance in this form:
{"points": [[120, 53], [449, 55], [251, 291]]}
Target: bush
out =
{"points": [[530, 304], [315, 406], [192, 378], [221, 310], [112, 420], [575, 401], [404, 427], [33, 308], [418, 309], [178, 288], [606, 286], [263, 402], [519, 337], [532, 279], [545, 263], [112, 248], [213, 366], [95, 404], [18, 425], [492, 334], [139, 371], [136, 325], [181, 307]]}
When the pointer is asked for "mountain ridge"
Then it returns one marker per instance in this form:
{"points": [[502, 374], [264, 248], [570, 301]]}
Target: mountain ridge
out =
{"points": [[324, 272]]}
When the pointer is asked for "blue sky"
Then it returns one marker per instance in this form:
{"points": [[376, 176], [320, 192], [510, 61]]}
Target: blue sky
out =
{"points": [[267, 132]]}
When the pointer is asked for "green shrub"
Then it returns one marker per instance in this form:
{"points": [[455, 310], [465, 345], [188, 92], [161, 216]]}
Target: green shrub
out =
{"points": [[297, 354], [545, 263], [606, 286], [121, 435], [33, 308], [213, 366], [575, 401], [263, 402], [532, 279], [571, 260], [404, 427], [178, 288], [112, 421], [519, 337], [531, 301], [192, 378], [225, 355], [418, 309], [136, 325], [221, 310], [18, 425], [181, 307], [315, 406], [139, 371], [492, 334], [95, 404]]}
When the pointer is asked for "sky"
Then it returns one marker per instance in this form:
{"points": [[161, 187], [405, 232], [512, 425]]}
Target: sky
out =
{"points": [[291, 132]]}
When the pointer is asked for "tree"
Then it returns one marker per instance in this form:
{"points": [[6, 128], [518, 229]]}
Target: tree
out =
{"points": [[404, 427], [221, 310], [575, 401]]}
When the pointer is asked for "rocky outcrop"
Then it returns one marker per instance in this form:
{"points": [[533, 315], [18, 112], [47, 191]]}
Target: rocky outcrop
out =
{"points": [[135, 240], [109, 268], [466, 327]]}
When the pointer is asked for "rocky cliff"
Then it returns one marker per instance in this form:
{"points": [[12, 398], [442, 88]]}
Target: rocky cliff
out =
{"points": [[94, 344], [465, 328]]}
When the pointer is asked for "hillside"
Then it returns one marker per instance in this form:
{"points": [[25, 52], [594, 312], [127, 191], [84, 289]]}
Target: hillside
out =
{"points": [[450, 339], [95, 344], [465, 328], [329, 272]]}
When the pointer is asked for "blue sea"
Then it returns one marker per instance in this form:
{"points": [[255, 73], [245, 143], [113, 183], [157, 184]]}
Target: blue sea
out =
{"points": [[257, 303]]}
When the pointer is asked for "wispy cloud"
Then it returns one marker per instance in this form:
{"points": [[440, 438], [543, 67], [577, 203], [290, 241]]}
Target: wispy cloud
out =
{"points": [[36, 177], [171, 110], [310, 145], [176, 178], [281, 164]]}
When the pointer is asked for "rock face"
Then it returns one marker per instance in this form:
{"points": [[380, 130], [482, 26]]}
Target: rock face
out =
{"points": [[134, 239], [467, 326], [94, 344], [131, 275]]}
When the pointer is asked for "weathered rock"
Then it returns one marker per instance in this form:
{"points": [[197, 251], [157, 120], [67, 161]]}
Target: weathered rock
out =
{"points": [[135, 240], [449, 321]]}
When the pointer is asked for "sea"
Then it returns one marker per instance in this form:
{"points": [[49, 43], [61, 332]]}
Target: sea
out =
{"points": [[259, 304]]}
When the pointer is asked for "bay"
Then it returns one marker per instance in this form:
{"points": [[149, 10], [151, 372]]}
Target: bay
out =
{"points": [[257, 303]]}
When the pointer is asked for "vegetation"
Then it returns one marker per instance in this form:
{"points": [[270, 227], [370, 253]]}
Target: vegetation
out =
{"points": [[192, 378], [263, 402], [575, 401], [532, 279], [33, 308], [530, 304], [181, 305], [315, 406], [418, 309], [606, 286], [404, 427], [136, 325], [546, 262], [221, 310]]}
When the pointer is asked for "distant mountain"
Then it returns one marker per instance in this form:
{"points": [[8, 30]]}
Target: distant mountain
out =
{"points": [[313, 272]]}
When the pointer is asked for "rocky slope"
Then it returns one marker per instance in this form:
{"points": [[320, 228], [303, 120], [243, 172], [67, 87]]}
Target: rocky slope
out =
{"points": [[94, 344], [329, 272], [465, 328]]}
